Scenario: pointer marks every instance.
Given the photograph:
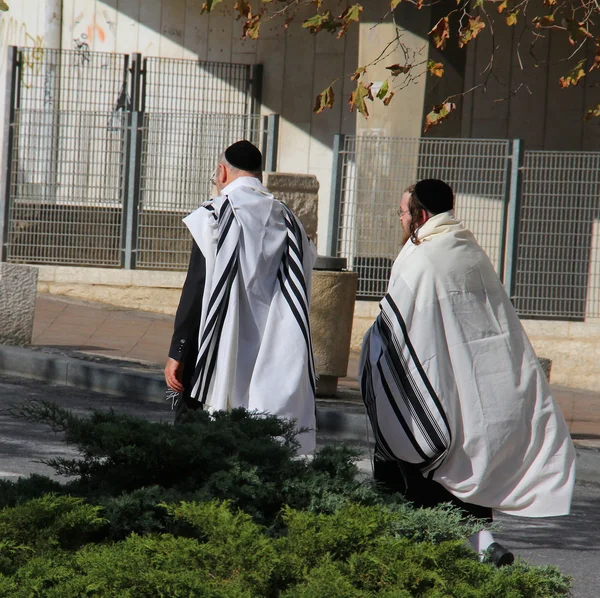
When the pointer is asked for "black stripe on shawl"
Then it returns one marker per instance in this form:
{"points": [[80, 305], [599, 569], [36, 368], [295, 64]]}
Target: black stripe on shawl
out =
{"points": [[368, 394], [213, 329], [305, 332], [218, 314], [289, 287], [411, 393], [292, 225], [217, 337], [291, 283], [228, 215], [224, 279], [420, 369], [398, 413]]}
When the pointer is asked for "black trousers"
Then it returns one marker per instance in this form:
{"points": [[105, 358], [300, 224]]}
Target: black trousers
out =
{"points": [[406, 479], [185, 404]]}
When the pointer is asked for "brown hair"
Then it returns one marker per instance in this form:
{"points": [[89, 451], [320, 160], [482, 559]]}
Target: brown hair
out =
{"points": [[414, 209]]}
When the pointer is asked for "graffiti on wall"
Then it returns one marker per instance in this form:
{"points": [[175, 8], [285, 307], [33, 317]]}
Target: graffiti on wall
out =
{"points": [[14, 33]]}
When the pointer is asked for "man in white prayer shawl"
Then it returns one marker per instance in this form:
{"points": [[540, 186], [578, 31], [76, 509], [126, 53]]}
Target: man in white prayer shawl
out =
{"points": [[242, 336], [460, 407]]}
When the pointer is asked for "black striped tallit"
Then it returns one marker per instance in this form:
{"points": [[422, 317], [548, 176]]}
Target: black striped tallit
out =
{"points": [[400, 387], [228, 253], [293, 284]]}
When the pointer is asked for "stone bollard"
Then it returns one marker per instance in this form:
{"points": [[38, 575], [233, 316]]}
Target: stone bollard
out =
{"points": [[331, 316], [301, 193], [18, 292]]}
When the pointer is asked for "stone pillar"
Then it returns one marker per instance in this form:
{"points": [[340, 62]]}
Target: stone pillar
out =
{"points": [[331, 316], [18, 291], [300, 192]]}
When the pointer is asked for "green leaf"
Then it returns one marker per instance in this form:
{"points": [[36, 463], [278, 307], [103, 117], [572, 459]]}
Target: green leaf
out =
{"points": [[359, 97], [511, 17], [576, 31], [321, 21], [592, 113], [394, 3], [574, 75], [545, 21], [358, 72], [468, 33], [383, 90], [243, 8], [435, 68], [596, 63], [209, 5], [440, 33], [351, 14], [439, 113], [252, 26], [324, 100]]}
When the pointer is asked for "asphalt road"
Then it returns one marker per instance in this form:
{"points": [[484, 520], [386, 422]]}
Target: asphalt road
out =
{"points": [[572, 543]]}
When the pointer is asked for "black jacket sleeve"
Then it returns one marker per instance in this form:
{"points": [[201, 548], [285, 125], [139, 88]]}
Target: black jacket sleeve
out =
{"points": [[187, 319]]}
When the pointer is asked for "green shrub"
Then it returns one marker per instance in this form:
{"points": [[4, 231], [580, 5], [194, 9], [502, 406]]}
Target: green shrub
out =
{"points": [[62, 520], [236, 457], [13, 492], [220, 507], [226, 554]]}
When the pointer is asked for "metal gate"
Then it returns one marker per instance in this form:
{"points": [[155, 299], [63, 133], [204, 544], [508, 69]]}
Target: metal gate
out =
{"points": [[536, 214], [370, 174], [104, 153]]}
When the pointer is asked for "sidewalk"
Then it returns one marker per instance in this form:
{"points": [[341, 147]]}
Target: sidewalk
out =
{"points": [[123, 334]]}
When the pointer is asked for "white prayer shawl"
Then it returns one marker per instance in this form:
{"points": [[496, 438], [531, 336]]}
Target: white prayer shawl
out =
{"points": [[450, 381], [254, 342]]}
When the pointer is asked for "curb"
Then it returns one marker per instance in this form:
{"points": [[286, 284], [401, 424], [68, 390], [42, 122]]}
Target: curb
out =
{"points": [[338, 419]]}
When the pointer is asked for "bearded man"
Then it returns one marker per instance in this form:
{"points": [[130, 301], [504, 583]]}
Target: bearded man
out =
{"points": [[460, 407], [242, 333]]}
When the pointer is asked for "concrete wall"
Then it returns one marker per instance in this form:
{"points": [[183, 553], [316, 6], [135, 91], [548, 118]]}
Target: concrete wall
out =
{"points": [[532, 106], [297, 65], [23, 25]]}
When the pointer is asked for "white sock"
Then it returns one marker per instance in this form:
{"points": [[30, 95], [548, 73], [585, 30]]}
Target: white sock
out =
{"points": [[481, 541]]}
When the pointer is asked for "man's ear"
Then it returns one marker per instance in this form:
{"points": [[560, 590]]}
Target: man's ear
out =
{"points": [[222, 174]]}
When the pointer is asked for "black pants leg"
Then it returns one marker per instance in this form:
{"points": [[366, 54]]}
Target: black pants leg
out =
{"points": [[406, 479]]}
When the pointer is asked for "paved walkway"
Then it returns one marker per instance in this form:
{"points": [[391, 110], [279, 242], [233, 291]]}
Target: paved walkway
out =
{"points": [[142, 336]]}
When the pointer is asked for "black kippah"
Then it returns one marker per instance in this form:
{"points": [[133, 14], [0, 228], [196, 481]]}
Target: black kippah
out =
{"points": [[245, 156], [435, 195]]}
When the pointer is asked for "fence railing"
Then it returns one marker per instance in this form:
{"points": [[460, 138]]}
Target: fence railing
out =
{"points": [[104, 153], [117, 195], [536, 214]]}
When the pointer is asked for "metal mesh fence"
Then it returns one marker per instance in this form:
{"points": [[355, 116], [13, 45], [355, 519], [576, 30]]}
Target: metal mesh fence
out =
{"points": [[172, 85], [74, 149], [66, 173], [558, 258], [72, 80], [179, 155], [376, 170]]}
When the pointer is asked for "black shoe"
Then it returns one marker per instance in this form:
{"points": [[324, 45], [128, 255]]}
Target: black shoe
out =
{"points": [[498, 555]]}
